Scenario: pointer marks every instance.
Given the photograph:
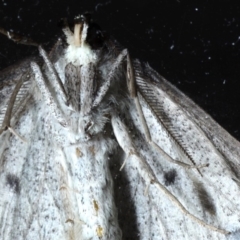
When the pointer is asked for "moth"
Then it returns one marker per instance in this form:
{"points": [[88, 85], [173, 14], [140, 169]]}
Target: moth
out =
{"points": [[97, 145]]}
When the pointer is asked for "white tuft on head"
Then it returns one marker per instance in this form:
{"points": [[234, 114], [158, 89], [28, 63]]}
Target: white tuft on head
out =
{"points": [[79, 52], [80, 55]]}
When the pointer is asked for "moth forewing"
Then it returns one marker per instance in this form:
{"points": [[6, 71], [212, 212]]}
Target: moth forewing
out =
{"points": [[58, 184]]}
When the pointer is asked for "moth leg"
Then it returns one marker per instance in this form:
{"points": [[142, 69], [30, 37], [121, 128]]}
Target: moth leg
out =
{"points": [[134, 95], [8, 114], [124, 140], [47, 96]]}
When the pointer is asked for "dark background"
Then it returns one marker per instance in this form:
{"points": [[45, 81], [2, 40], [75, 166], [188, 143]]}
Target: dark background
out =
{"points": [[194, 44]]}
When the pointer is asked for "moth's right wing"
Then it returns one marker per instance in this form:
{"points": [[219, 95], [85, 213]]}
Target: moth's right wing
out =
{"points": [[187, 134]]}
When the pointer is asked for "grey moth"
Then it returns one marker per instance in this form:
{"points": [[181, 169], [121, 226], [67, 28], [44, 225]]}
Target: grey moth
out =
{"points": [[96, 145]]}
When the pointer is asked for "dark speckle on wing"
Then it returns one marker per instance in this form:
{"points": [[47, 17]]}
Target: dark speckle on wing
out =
{"points": [[13, 182], [170, 177]]}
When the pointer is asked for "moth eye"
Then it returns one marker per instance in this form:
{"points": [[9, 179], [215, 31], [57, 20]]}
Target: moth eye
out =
{"points": [[95, 37], [170, 177]]}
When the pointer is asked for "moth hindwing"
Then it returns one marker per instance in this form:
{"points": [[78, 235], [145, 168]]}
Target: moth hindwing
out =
{"points": [[90, 138]]}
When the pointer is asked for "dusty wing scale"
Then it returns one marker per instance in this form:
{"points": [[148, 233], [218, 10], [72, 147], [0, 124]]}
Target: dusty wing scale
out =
{"points": [[57, 180]]}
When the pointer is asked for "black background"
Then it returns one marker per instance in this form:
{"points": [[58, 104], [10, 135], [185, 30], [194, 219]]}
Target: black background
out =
{"points": [[194, 44]]}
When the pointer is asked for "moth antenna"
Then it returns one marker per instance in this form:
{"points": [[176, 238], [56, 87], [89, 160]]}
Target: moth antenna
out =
{"points": [[124, 140], [131, 77], [57, 83], [145, 126], [149, 139], [156, 109], [104, 88], [8, 114], [7, 118], [47, 95]]}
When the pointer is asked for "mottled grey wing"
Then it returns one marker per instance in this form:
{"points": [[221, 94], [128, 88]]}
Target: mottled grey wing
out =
{"points": [[187, 134]]}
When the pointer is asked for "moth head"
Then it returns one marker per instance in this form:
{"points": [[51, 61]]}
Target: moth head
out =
{"points": [[84, 41]]}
